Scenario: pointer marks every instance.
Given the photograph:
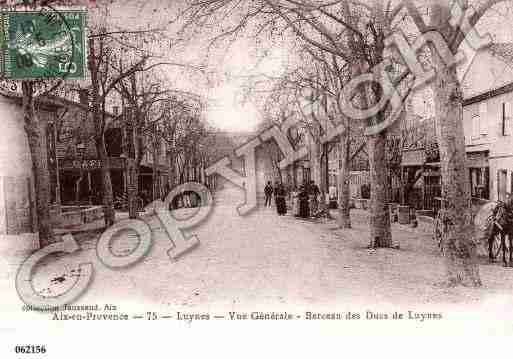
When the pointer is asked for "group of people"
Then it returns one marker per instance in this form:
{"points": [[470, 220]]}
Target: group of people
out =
{"points": [[305, 201], [280, 195]]}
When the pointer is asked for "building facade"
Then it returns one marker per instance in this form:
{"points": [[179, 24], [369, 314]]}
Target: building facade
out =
{"points": [[79, 166], [488, 125], [487, 88]]}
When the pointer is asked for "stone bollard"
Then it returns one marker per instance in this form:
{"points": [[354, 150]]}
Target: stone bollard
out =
{"points": [[403, 214]]}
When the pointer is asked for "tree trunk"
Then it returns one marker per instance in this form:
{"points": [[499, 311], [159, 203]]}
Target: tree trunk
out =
{"points": [[155, 178], [459, 243], [107, 193], [315, 160], [402, 189], [135, 171], [171, 172], [134, 195], [294, 174], [324, 185], [344, 217], [132, 188], [99, 123], [380, 232], [133, 184], [38, 151]]}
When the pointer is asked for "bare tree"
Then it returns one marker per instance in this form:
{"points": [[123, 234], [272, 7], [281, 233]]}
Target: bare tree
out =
{"points": [[354, 35], [407, 137], [460, 243], [141, 95], [103, 82], [31, 90]]}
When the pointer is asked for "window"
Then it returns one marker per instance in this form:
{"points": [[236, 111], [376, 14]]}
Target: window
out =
{"points": [[483, 123], [506, 119], [475, 126]]}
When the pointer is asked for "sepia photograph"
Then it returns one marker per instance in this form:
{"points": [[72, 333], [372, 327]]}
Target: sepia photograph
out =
{"points": [[275, 174]]}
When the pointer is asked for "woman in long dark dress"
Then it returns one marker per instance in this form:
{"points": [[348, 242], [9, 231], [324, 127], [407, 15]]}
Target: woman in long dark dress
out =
{"points": [[304, 209], [280, 194]]}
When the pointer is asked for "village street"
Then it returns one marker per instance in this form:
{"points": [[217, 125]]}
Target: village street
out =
{"points": [[266, 261]]}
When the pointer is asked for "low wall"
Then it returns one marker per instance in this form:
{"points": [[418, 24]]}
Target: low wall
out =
{"points": [[78, 215], [12, 245]]}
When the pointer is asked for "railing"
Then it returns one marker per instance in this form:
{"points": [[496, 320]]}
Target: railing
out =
{"points": [[431, 193], [418, 197]]}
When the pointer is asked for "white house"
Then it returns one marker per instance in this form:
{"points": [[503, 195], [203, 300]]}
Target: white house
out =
{"points": [[487, 118]]}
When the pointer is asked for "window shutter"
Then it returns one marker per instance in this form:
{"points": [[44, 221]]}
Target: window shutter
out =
{"points": [[483, 110], [475, 126], [507, 118]]}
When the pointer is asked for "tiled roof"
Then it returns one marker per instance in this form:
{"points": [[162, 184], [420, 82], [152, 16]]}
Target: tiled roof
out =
{"points": [[50, 100], [504, 51]]}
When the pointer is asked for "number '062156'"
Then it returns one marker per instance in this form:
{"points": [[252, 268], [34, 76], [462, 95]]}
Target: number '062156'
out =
{"points": [[30, 349]]}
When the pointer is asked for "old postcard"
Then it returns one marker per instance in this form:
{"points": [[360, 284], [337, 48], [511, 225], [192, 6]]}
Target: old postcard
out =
{"points": [[255, 177]]}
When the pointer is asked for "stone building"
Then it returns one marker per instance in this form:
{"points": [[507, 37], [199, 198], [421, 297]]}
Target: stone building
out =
{"points": [[488, 124], [78, 162], [18, 220], [487, 85]]}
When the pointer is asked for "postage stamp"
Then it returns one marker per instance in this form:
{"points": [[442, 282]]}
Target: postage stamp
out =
{"points": [[43, 42]]}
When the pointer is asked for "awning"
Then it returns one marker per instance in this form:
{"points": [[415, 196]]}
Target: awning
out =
{"points": [[413, 158], [433, 164], [90, 164], [471, 163]]}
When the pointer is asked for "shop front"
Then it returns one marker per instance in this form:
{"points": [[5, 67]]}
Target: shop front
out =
{"points": [[81, 180]]}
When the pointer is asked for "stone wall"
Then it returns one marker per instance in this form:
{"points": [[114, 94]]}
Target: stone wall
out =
{"points": [[17, 219]]}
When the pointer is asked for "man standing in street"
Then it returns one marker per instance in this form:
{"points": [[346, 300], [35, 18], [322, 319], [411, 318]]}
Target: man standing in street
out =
{"points": [[268, 190], [280, 194]]}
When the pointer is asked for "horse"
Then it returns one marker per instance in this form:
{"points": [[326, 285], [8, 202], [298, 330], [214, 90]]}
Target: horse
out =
{"points": [[494, 224]]}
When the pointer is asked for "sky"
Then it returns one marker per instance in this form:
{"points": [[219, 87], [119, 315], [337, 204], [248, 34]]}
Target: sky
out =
{"points": [[230, 109], [227, 69]]}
